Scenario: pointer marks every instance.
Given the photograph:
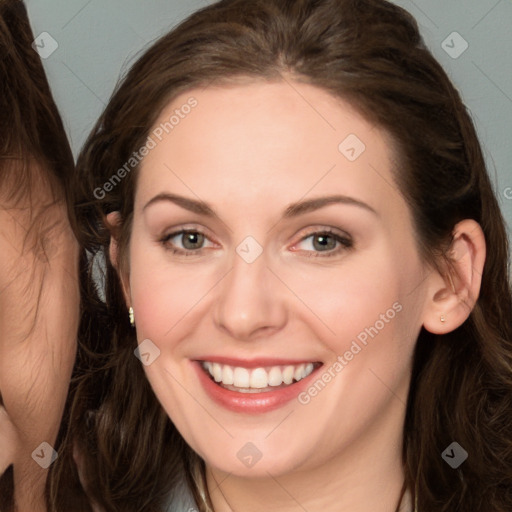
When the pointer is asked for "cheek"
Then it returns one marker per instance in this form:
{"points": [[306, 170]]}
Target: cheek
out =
{"points": [[37, 353], [163, 294], [341, 300], [344, 300], [35, 379]]}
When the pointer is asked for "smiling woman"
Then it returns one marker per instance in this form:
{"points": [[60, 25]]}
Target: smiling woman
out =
{"points": [[322, 216], [39, 293]]}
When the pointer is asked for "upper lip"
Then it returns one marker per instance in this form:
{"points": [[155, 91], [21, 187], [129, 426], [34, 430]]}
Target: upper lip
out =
{"points": [[259, 362]]}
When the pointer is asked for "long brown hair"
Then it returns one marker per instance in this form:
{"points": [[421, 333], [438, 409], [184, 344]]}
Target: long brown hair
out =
{"points": [[370, 53], [34, 149]]}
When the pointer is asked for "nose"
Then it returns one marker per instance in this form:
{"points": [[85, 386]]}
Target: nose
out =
{"points": [[250, 301]]}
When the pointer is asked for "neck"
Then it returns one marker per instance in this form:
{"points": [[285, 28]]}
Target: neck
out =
{"points": [[367, 476]]}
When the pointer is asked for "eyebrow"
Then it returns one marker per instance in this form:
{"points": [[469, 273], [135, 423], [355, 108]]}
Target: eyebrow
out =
{"points": [[292, 210]]}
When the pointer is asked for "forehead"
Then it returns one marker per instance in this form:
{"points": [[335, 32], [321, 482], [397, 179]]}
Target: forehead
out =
{"points": [[263, 137]]}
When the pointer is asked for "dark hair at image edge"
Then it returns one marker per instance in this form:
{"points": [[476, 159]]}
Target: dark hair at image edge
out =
{"points": [[35, 155], [370, 53], [33, 147]]}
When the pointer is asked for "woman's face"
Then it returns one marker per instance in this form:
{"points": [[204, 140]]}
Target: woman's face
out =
{"points": [[37, 343], [263, 294]]}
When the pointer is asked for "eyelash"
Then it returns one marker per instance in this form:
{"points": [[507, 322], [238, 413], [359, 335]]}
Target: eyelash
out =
{"points": [[345, 243]]}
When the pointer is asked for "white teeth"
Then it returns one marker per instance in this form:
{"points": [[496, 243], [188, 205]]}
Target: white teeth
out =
{"points": [[241, 378], [298, 374], [257, 378], [275, 376], [217, 372], [288, 374], [227, 375]]}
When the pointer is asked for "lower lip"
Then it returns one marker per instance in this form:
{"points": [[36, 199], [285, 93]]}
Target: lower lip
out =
{"points": [[251, 403]]}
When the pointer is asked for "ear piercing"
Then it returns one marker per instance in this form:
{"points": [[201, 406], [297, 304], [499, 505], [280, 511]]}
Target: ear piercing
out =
{"points": [[443, 319]]}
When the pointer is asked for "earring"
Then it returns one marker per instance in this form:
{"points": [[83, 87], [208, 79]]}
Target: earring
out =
{"points": [[132, 319], [443, 319]]}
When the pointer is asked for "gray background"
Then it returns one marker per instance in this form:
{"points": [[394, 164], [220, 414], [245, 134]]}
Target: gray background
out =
{"points": [[99, 39]]}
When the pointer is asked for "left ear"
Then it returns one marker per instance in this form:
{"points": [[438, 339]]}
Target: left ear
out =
{"points": [[451, 298]]}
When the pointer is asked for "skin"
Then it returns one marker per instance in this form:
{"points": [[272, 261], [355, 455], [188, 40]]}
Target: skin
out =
{"points": [[250, 150], [35, 365], [8, 440]]}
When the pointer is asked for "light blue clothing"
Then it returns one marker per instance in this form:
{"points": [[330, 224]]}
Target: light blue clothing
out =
{"points": [[182, 501]]}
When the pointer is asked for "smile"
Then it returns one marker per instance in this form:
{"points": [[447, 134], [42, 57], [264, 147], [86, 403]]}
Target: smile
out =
{"points": [[256, 380], [256, 386]]}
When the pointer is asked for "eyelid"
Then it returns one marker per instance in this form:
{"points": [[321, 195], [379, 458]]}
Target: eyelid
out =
{"points": [[344, 242], [343, 238], [187, 228], [317, 230], [180, 230], [324, 229], [309, 231]]}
